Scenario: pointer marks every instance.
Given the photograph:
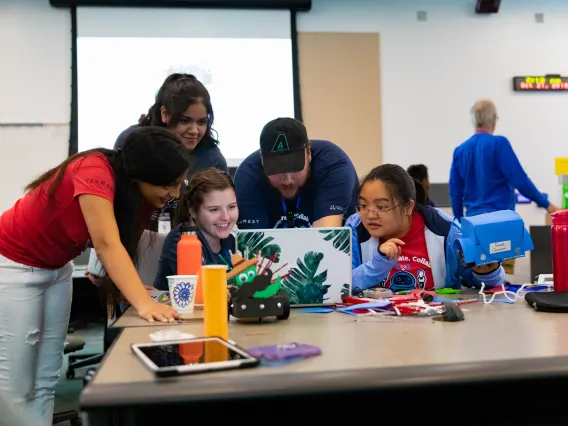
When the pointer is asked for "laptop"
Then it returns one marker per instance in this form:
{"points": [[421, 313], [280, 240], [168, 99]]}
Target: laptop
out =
{"points": [[313, 265]]}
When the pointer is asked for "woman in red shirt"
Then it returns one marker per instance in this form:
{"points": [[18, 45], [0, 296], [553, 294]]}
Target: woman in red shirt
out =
{"points": [[98, 197]]}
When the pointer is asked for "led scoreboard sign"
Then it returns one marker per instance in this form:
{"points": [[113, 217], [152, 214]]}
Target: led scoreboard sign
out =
{"points": [[543, 83]]}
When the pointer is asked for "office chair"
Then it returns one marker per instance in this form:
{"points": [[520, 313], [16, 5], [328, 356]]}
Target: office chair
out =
{"points": [[72, 344], [82, 360], [86, 360], [151, 244]]}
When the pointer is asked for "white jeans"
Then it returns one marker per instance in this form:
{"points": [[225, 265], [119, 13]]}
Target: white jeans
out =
{"points": [[34, 316]]}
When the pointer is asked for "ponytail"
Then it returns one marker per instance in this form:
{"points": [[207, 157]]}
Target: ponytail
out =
{"points": [[152, 118], [421, 194], [154, 115]]}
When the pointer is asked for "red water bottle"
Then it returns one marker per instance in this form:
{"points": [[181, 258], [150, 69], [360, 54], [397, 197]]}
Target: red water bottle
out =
{"points": [[559, 239]]}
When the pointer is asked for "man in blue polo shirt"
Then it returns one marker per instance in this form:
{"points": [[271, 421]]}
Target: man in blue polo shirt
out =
{"points": [[292, 182], [486, 171]]}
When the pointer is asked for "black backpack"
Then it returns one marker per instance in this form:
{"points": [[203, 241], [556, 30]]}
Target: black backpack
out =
{"points": [[548, 301]]}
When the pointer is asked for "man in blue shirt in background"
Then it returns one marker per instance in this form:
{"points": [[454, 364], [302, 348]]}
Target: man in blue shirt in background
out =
{"points": [[486, 171], [294, 182]]}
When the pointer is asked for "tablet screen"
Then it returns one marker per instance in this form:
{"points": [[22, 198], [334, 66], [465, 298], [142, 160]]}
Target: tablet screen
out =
{"points": [[190, 353]]}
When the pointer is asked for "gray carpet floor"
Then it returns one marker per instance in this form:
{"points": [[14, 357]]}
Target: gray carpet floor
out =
{"points": [[68, 390]]}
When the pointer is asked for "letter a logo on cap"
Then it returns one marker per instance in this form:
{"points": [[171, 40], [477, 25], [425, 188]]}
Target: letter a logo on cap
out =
{"points": [[281, 144]]}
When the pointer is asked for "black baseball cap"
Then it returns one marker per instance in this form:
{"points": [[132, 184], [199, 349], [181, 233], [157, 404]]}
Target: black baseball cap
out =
{"points": [[283, 144]]}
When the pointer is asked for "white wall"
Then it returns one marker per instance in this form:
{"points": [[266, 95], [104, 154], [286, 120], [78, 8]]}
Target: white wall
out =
{"points": [[431, 74], [433, 71], [35, 80]]}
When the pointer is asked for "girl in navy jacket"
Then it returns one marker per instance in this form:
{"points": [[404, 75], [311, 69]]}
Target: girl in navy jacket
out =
{"points": [[211, 204]]}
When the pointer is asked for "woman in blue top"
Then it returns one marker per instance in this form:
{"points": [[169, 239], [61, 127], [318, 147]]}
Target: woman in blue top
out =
{"points": [[183, 106], [402, 245], [211, 204]]}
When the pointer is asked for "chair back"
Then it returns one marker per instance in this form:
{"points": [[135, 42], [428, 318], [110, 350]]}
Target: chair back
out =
{"points": [[150, 251]]}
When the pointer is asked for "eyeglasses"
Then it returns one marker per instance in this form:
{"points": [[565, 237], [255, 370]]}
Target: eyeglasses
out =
{"points": [[379, 211]]}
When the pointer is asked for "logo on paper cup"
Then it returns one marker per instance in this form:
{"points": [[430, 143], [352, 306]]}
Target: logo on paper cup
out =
{"points": [[183, 294]]}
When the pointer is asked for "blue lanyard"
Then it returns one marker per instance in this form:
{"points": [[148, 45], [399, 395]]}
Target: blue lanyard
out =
{"points": [[290, 215]]}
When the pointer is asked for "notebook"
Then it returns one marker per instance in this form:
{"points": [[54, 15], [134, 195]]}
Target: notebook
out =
{"points": [[312, 265]]}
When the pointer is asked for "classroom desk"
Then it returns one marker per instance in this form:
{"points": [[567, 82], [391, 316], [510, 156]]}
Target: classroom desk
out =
{"points": [[498, 355], [130, 318]]}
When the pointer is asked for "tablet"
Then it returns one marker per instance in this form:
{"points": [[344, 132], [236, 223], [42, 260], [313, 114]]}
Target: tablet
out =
{"points": [[191, 356]]}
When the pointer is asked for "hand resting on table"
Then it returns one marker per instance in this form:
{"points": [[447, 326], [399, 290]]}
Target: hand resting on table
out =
{"points": [[150, 312]]}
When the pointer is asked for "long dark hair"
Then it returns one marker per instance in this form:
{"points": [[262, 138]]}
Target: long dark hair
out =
{"points": [[418, 172], [177, 93], [399, 184], [201, 183], [421, 194], [150, 154]]}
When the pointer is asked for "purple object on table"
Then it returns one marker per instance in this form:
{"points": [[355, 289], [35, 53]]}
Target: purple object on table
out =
{"points": [[286, 351]]}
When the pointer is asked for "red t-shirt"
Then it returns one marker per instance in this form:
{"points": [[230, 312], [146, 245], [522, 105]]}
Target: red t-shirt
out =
{"points": [[412, 269], [48, 236]]}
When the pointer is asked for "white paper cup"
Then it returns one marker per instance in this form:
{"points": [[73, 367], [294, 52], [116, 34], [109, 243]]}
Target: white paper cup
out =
{"points": [[182, 292]]}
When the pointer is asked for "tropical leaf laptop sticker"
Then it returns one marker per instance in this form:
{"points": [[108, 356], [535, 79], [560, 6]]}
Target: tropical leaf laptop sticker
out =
{"points": [[310, 270]]}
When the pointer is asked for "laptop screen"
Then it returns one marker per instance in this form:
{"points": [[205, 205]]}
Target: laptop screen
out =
{"points": [[311, 265]]}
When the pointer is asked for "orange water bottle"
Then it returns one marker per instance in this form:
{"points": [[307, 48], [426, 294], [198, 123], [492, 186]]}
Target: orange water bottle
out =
{"points": [[189, 251], [191, 352], [216, 318]]}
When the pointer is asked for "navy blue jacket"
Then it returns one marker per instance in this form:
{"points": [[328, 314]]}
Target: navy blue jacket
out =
{"points": [[168, 259], [371, 267]]}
